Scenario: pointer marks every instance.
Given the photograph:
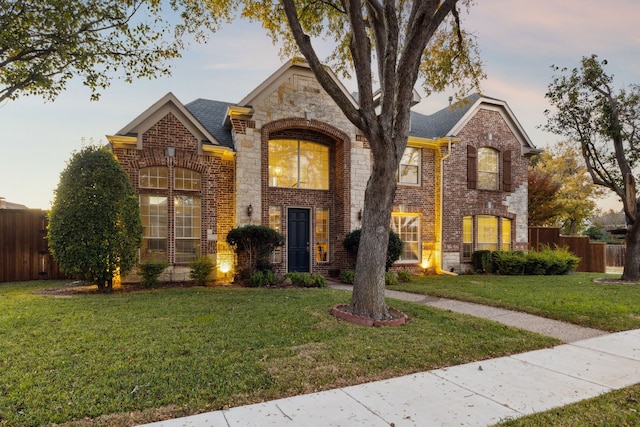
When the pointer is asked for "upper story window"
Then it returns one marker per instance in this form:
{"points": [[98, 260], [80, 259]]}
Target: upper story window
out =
{"points": [[154, 177], [488, 170], [186, 179], [298, 164], [409, 169]]}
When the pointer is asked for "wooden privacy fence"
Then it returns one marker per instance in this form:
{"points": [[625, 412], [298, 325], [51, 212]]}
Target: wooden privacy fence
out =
{"points": [[23, 246], [615, 255], [593, 255]]}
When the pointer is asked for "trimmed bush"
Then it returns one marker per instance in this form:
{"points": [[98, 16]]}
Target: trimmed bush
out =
{"points": [[481, 261], [548, 261], [254, 244], [390, 278], [150, 271], [509, 263], [404, 276], [348, 276], [306, 280], [351, 243], [201, 269], [262, 278]]}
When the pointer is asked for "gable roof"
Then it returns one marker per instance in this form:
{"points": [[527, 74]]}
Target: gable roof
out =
{"points": [[451, 120], [212, 114]]}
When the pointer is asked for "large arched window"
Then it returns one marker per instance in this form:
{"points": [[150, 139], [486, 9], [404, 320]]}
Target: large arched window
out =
{"points": [[298, 164]]}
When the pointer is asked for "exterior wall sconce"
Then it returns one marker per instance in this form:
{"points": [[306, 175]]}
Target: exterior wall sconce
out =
{"points": [[360, 215], [249, 210], [171, 151]]}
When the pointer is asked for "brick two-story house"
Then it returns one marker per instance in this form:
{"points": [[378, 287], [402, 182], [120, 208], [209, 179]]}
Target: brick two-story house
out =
{"points": [[285, 156]]}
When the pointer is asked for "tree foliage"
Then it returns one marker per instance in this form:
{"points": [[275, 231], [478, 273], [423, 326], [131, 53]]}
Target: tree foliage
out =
{"points": [[45, 43], [351, 243], [255, 243], [562, 166], [94, 226], [605, 122], [397, 43]]}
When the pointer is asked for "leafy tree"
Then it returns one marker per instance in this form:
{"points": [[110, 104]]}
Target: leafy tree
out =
{"points": [[399, 41], [94, 224], [605, 122], [543, 188], [43, 44], [574, 201]]}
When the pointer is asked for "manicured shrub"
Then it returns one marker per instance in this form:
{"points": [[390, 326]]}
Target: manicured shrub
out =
{"points": [[509, 263], [548, 261], [481, 261], [254, 244], [351, 243], [306, 280], [390, 278], [404, 276], [348, 276], [262, 278], [201, 269], [150, 271]]}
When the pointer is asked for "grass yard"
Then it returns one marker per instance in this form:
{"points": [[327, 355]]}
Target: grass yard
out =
{"points": [[574, 298], [129, 358]]}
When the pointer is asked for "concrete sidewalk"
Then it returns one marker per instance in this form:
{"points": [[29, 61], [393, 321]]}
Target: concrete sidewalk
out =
{"points": [[475, 394]]}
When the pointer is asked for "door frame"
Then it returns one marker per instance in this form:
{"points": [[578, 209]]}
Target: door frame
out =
{"points": [[309, 228]]}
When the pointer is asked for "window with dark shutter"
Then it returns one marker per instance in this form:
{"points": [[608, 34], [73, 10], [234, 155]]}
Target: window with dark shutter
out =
{"points": [[506, 171], [472, 164]]}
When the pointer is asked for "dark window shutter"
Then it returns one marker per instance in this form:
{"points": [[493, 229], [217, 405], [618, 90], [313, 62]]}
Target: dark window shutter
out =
{"points": [[472, 167], [506, 171]]}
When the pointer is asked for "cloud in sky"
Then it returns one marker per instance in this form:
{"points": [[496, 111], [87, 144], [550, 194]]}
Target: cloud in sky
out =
{"points": [[519, 41]]}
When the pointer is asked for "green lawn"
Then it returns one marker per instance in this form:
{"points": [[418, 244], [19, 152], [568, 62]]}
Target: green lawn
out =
{"points": [[128, 358], [574, 298]]}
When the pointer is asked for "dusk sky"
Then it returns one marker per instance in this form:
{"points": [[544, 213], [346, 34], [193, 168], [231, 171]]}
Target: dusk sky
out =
{"points": [[519, 41]]}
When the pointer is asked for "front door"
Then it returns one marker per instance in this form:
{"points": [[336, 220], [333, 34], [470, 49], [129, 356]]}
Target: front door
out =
{"points": [[298, 240]]}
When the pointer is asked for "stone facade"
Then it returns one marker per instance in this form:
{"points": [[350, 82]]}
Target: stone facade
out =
{"points": [[291, 105]]}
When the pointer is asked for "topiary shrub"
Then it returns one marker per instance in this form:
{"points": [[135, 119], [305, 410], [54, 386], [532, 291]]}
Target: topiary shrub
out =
{"points": [[201, 269], [348, 276], [254, 244], [351, 243], [306, 280], [150, 271]]}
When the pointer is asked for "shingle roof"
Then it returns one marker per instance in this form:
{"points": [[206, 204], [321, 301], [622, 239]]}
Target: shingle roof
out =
{"points": [[440, 123], [211, 114]]}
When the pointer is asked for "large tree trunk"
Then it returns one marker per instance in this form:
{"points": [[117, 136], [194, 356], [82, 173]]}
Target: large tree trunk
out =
{"points": [[631, 270], [369, 287]]}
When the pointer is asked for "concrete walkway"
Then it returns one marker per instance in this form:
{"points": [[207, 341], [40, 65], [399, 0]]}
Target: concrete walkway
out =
{"points": [[475, 394]]}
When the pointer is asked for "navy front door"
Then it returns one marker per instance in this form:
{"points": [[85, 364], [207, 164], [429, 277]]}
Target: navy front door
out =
{"points": [[298, 240]]}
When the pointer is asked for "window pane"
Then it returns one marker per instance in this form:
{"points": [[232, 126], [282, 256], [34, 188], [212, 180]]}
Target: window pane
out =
{"points": [[275, 222], [153, 211], [506, 234], [187, 227], [153, 177], [409, 169], [488, 171], [487, 232], [322, 235], [467, 237], [408, 228], [186, 179], [298, 164]]}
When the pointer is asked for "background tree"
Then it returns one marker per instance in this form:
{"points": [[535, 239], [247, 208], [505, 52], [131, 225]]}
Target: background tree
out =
{"points": [[543, 207], [43, 44], [94, 224], [605, 122], [399, 42], [574, 202]]}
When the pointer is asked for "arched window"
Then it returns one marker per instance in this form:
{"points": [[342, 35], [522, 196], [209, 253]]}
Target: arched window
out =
{"points": [[298, 164]]}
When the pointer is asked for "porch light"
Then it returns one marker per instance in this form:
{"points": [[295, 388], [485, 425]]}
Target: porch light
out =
{"points": [[249, 210]]}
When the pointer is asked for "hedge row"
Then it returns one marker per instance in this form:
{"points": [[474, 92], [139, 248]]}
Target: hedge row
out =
{"points": [[510, 263]]}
